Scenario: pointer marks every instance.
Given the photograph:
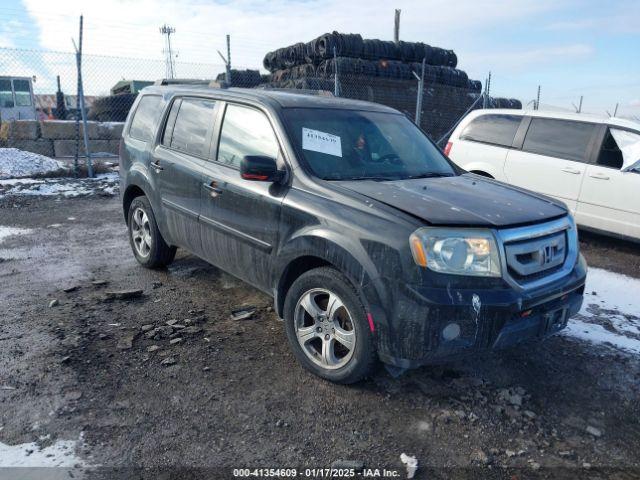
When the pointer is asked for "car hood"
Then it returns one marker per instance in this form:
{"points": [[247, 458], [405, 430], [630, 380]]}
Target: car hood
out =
{"points": [[467, 200]]}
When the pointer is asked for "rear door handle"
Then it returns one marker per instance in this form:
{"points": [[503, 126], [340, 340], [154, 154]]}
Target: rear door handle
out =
{"points": [[156, 165], [213, 188], [573, 171], [599, 176]]}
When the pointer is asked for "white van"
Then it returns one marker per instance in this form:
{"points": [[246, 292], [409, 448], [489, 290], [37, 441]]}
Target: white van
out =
{"points": [[16, 99], [590, 163]]}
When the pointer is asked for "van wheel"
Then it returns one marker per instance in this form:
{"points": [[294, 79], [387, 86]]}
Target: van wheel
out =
{"points": [[148, 246], [327, 327]]}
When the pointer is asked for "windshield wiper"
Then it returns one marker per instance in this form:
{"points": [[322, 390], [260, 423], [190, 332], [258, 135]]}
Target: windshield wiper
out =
{"points": [[375, 178], [430, 175]]}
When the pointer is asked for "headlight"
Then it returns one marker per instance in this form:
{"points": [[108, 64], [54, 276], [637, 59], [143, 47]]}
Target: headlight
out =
{"points": [[456, 251]]}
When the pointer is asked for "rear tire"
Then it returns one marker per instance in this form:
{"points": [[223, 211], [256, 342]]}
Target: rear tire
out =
{"points": [[149, 248], [327, 327]]}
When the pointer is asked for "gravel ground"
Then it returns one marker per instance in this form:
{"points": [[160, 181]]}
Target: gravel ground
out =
{"points": [[167, 381]]}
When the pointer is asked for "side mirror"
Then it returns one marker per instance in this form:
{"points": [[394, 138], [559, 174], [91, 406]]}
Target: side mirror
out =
{"points": [[260, 168]]}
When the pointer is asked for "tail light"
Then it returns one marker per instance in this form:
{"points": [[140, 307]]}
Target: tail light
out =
{"points": [[447, 149]]}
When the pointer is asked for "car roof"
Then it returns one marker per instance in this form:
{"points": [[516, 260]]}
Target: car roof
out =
{"points": [[582, 117], [274, 98]]}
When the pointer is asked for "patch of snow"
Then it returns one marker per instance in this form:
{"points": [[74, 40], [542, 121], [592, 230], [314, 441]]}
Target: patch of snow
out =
{"points": [[595, 333], [610, 312], [60, 454], [6, 232], [15, 163], [104, 183], [613, 291]]}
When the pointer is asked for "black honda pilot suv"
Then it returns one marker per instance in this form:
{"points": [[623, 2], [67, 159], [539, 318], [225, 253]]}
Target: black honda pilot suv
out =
{"points": [[372, 243]]}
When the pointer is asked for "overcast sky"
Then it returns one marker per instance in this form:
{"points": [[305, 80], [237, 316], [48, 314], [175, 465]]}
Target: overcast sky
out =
{"points": [[570, 47]]}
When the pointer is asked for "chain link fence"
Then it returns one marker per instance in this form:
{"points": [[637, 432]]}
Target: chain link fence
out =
{"points": [[414, 78]]}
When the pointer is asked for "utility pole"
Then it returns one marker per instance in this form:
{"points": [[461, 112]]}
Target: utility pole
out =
{"points": [[82, 110], [166, 31], [487, 89], [420, 92], [396, 26], [537, 104], [227, 62]]}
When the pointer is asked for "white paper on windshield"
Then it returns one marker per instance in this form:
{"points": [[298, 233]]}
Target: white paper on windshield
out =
{"points": [[629, 144], [322, 142]]}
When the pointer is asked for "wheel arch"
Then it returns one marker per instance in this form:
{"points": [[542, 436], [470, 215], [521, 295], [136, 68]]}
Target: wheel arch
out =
{"points": [[305, 253], [131, 192]]}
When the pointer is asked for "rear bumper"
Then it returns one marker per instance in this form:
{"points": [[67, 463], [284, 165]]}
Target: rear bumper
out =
{"points": [[419, 324]]}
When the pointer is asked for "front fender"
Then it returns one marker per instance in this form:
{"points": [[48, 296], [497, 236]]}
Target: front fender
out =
{"points": [[346, 254]]}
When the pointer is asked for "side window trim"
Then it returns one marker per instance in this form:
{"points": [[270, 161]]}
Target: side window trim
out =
{"points": [[166, 119], [521, 133]]}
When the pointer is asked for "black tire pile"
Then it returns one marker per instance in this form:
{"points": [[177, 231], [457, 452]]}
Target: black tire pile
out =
{"points": [[382, 72], [370, 57], [354, 46], [243, 78]]}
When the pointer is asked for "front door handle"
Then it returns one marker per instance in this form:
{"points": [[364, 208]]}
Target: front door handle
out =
{"points": [[599, 176], [213, 188], [573, 171], [156, 165]]}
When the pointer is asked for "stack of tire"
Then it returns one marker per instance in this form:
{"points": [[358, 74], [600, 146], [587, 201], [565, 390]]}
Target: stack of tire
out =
{"points": [[382, 72], [242, 78]]}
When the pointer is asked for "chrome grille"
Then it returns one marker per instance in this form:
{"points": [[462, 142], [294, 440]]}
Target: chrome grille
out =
{"points": [[531, 257], [535, 255]]}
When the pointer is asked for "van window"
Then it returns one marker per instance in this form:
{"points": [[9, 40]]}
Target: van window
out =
{"points": [[245, 131], [23, 93], [6, 94], [493, 129], [194, 123], [145, 117], [559, 138]]}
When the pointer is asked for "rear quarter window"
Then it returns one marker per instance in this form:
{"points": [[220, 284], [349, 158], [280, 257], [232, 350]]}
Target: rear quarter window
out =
{"points": [[565, 139], [145, 118], [493, 129]]}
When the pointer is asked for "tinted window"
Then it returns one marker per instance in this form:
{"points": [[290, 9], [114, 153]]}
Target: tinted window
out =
{"points": [[245, 131], [494, 129], [193, 125], [559, 138], [6, 95], [145, 117], [23, 93]]}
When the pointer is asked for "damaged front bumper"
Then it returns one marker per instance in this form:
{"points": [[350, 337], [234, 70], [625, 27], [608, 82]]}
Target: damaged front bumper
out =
{"points": [[419, 325]]}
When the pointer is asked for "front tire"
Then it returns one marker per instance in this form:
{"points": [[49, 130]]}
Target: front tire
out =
{"points": [[327, 327], [149, 248]]}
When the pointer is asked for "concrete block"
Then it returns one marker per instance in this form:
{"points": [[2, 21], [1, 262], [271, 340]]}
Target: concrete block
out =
{"points": [[66, 129], [20, 130], [110, 130], [40, 146], [67, 148]]}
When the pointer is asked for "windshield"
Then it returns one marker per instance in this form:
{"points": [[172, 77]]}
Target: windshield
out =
{"points": [[359, 145]]}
